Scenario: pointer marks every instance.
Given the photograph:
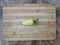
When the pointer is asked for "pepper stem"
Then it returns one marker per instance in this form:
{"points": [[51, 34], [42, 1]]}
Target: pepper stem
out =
{"points": [[35, 20]]}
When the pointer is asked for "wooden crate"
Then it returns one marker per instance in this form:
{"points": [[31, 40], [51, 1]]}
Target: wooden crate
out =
{"points": [[45, 29]]}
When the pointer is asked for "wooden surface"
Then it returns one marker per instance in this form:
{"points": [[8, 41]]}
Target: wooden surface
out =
{"points": [[45, 29], [54, 42]]}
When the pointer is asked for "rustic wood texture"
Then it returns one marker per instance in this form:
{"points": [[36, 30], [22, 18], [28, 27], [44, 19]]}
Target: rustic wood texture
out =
{"points": [[45, 29]]}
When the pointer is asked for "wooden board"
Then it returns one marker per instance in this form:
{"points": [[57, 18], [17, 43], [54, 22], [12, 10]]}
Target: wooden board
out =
{"points": [[45, 29]]}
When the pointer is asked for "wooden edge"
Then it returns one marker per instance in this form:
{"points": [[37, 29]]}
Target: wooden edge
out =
{"points": [[19, 39], [11, 5]]}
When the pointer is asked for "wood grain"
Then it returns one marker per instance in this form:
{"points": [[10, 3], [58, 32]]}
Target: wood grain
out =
{"points": [[13, 31]]}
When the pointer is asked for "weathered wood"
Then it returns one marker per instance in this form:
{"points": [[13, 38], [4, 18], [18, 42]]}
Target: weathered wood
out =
{"points": [[45, 29]]}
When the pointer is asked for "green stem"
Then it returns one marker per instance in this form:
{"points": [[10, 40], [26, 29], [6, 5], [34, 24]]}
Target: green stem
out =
{"points": [[36, 20]]}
